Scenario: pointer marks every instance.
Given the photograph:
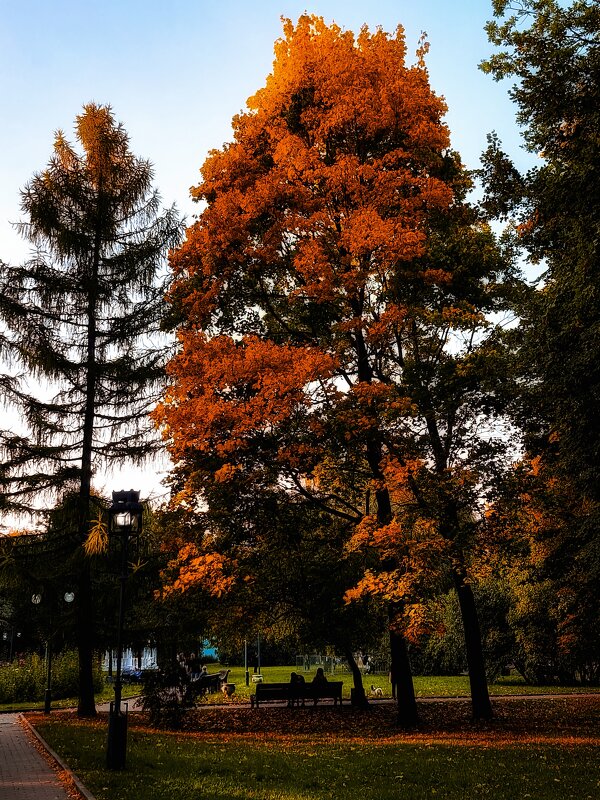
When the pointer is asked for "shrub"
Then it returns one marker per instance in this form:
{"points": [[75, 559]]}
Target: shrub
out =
{"points": [[65, 675], [25, 680], [165, 696], [444, 653]]}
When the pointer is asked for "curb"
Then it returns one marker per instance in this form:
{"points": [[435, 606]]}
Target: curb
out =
{"points": [[55, 757]]}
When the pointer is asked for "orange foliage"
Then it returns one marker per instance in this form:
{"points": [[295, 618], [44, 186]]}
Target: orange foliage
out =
{"points": [[302, 164], [226, 390], [209, 570], [420, 553], [307, 284]]}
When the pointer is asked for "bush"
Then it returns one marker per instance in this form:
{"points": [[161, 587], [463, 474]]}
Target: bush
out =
{"points": [[165, 696], [444, 653], [25, 680], [65, 675]]}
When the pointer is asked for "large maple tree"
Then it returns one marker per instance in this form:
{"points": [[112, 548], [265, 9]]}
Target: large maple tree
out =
{"points": [[331, 305]]}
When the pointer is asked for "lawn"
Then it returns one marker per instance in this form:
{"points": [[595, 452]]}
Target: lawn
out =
{"points": [[538, 749], [106, 695], [425, 686]]}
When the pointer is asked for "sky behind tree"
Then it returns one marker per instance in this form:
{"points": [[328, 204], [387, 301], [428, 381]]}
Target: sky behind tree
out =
{"points": [[175, 74]]}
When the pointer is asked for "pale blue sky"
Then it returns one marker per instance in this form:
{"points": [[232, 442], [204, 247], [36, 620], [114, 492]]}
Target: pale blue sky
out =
{"points": [[175, 73]]}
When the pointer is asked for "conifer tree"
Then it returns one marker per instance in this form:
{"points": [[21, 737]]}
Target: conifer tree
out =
{"points": [[82, 329]]}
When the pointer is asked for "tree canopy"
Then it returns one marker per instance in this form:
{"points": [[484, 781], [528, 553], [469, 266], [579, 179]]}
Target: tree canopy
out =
{"points": [[331, 304], [551, 508]]}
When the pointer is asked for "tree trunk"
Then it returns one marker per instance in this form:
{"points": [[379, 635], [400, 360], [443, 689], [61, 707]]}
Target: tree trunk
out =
{"points": [[85, 645], [401, 677], [401, 671], [359, 697], [480, 699], [85, 621]]}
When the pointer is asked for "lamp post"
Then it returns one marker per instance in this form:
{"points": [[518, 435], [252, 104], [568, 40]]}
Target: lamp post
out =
{"points": [[36, 599], [124, 524]]}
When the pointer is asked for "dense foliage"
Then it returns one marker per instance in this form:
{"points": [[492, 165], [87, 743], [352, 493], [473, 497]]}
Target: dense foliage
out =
{"points": [[332, 305], [551, 509], [25, 679]]}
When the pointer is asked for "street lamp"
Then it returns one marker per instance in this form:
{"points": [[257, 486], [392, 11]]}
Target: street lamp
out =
{"points": [[36, 599], [124, 524]]}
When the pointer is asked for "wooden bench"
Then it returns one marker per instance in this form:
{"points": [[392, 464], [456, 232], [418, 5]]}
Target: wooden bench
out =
{"points": [[296, 694], [332, 690], [270, 691], [208, 684]]}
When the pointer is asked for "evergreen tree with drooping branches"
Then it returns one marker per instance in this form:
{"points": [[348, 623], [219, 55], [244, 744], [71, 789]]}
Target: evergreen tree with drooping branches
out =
{"points": [[82, 330]]}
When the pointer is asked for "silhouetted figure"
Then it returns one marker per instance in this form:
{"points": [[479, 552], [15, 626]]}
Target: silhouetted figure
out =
{"points": [[296, 692]]}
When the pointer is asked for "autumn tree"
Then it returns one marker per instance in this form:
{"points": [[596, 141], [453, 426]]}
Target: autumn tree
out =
{"points": [[331, 306], [551, 580], [273, 564], [81, 319]]}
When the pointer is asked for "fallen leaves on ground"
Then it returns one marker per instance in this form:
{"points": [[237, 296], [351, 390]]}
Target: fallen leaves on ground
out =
{"points": [[567, 721]]}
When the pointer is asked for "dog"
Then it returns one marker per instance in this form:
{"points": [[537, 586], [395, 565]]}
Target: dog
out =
{"points": [[228, 689], [376, 691]]}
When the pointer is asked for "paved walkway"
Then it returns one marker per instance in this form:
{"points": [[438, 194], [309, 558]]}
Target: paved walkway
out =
{"points": [[24, 773]]}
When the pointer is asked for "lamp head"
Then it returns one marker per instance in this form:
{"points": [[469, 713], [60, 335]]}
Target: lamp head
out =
{"points": [[125, 514]]}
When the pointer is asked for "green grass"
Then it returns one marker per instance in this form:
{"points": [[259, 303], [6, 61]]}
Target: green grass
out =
{"points": [[425, 686], [106, 695], [169, 767]]}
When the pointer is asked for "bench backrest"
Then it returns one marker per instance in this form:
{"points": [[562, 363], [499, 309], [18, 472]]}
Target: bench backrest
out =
{"points": [[329, 689], [272, 688]]}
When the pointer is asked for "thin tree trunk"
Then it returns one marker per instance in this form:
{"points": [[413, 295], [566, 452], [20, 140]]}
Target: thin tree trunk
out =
{"points": [[405, 693], [85, 621], [401, 677], [401, 671], [480, 699], [85, 645], [359, 698]]}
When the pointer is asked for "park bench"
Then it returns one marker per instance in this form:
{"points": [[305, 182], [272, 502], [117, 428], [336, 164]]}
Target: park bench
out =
{"points": [[332, 690], [295, 694], [131, 675], [208, 684]]}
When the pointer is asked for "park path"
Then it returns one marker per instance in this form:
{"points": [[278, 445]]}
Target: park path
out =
{"points": [[24, 773]]}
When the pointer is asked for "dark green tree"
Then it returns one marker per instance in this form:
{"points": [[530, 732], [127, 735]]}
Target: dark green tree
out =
{"points": [[552, 50], [82, 321]]}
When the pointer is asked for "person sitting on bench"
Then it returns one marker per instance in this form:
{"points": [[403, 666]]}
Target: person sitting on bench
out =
{"points": [[296, 692], [319, 679], [318, 683]]}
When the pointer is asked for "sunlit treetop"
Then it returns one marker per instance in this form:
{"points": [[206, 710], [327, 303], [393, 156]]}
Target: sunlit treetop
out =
{"points": [[327, 183]]}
